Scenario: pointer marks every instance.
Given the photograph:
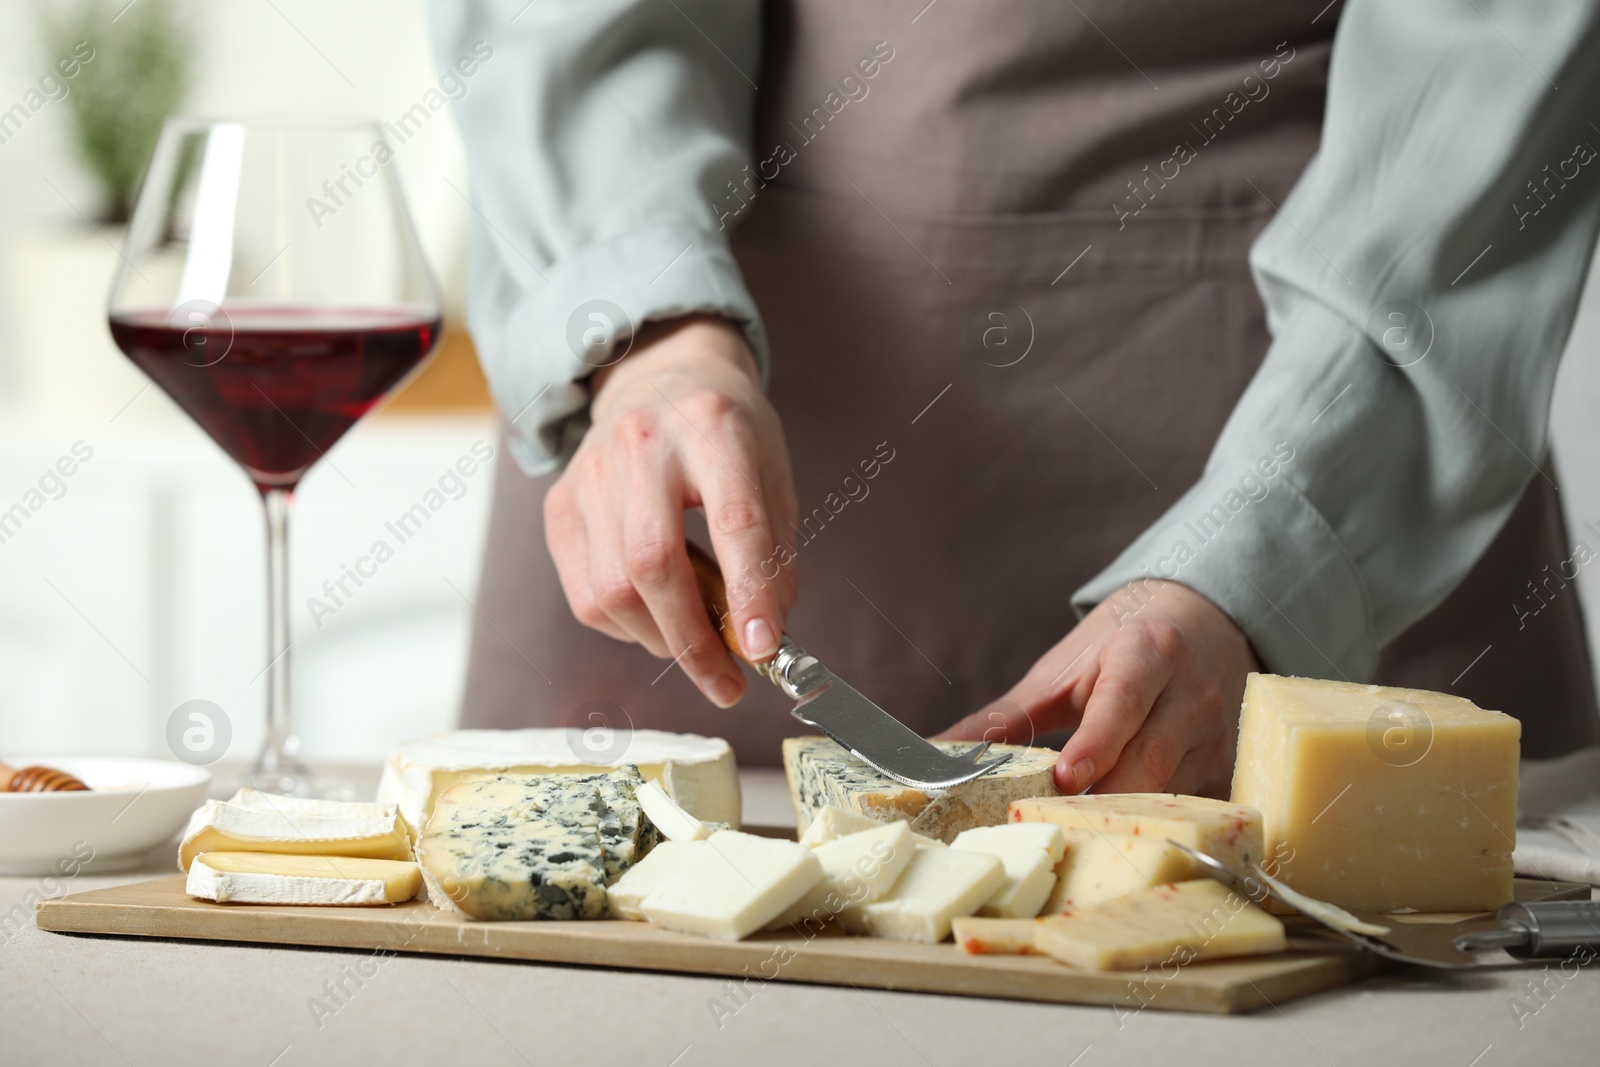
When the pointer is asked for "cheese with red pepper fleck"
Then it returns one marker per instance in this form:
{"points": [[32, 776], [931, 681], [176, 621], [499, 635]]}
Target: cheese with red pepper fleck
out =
{"points": [[1228, 832], [1159, 927], [980, 935]]}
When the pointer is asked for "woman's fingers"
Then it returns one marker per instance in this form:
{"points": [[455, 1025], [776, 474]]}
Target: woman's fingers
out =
{"points": [[568, 539], [1135, 666]]}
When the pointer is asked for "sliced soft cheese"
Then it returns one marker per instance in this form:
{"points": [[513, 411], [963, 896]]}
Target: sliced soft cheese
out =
{"points": [[857, 868], [698, 773], [674, 823], [830, 822], [261, 822], [1165, 926], [981, 936], [938, 886], [821, 773], [266, 878], [1100, 866], [1379, 798], [626, 895], [734, 886], [1030, 869], [517, 847], [1224, 831]]}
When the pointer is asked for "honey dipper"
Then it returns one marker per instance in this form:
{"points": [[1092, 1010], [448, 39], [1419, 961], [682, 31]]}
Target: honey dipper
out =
{"points": [[37, 779]]}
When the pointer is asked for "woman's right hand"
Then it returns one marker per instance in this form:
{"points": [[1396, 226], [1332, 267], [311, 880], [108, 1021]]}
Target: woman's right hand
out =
{"points": [[679, 423]]}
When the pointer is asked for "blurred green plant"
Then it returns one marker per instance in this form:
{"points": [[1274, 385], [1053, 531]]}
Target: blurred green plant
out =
{"points": [[142, 71]]}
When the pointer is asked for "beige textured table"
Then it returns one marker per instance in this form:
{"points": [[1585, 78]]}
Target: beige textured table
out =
{"points": [[96, 1000]]}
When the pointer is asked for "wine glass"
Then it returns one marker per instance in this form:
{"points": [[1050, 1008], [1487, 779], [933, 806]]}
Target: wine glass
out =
{"points": [[273, 285]]}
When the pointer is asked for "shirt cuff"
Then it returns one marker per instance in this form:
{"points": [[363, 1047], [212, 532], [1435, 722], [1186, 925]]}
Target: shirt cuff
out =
{"points": [[590, 305], [1253, 545]]}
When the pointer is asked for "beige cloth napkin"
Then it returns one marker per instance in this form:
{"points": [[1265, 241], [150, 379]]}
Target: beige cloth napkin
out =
{"points": [[1558, 818]]}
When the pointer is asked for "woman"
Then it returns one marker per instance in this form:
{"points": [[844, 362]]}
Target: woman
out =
{"points": [[998, 255]]}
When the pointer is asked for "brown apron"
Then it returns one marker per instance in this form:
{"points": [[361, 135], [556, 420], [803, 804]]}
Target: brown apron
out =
{"points": [[970, 276]]}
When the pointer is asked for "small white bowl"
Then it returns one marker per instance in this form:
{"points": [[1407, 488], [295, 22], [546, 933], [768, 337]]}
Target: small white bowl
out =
{"points": [[132, 806]]}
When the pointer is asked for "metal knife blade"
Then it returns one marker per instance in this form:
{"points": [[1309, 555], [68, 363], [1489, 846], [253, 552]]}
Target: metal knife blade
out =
{"points": [[837, 708]]}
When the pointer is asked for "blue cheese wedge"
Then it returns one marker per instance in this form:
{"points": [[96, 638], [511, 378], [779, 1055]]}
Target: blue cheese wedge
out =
{"points": [[821, 773], [626, 834], [508, 847]]}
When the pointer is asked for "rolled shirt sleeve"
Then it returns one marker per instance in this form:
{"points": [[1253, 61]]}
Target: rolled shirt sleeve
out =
{"points": [[1420, 283], [601, 135]]}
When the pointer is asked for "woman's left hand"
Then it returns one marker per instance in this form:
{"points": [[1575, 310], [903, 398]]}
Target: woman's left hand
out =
{"points": [[1151, 682]]}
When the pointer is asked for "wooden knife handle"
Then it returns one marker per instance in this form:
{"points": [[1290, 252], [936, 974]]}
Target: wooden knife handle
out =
{"points": [[714, 593]]}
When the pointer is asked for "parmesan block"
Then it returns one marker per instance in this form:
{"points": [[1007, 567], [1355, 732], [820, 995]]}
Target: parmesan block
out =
{"points": [[857, 868], [265, 878], [260, 822], [1165, 926], [939, 886], [1228, 832], [1030, 869], [1379, 798], [831, 822], [734, 886], [639, 881], [698, 773], [979, 936], [1101, 867], [821, 773]]}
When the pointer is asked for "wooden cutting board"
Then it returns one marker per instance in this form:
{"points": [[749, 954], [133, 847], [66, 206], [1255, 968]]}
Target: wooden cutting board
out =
{"points": [[160, 908]]}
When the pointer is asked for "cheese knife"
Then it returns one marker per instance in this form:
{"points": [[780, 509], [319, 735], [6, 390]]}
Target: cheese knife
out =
{"points": [[830, 704]]}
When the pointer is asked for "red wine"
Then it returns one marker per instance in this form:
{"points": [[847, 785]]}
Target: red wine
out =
{"points": [[276, 386]]}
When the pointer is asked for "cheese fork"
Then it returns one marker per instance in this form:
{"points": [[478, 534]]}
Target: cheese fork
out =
{"points": [[826, 701], [1424, 944]]}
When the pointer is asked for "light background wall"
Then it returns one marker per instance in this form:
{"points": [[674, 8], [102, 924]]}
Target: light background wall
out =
{"points": [[141, 587]]}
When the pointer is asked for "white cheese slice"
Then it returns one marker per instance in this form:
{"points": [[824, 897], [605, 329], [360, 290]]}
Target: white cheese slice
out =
{"points": [[1030, 873], [939, 885], [857, 868], [733, 887], [830, 822], [821, 773], [265, 878], [1015, 835], [260, 822], [627, 894], [674, 823], [698, 773]]}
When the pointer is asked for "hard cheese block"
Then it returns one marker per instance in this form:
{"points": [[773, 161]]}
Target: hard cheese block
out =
{"points": [[822, 773], [697, 772], [267, 878], [734, 886], [1101, 866], [259, 822], [532, 846], [1380, 798], [1228, 832], [857, 868], [1167, 925], [939, 886]]}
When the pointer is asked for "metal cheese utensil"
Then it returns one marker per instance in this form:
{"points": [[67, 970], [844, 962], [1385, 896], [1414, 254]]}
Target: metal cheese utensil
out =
{"points": [[1426, 944], [1540, 929], [837, 708]]}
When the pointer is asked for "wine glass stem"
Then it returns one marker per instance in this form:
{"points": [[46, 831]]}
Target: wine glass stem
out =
{"points": [[280, 753]]}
